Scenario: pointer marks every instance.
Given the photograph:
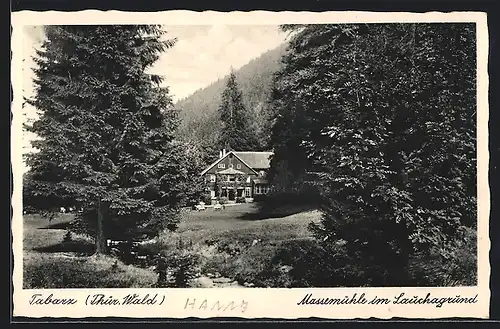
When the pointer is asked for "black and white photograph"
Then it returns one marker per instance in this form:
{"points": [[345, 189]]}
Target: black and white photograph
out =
{"points": [[287, 155]]}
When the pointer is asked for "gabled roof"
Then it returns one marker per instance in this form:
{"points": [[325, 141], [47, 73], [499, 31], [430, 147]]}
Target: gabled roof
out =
{"points": [[255, 160], [220, 159]]}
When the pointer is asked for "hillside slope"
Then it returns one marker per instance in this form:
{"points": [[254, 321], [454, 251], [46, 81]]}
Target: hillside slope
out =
{"points": [[198, 112]]}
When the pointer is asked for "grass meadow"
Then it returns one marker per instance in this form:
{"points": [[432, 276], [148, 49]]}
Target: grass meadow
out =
{"points": [[237, 243]]}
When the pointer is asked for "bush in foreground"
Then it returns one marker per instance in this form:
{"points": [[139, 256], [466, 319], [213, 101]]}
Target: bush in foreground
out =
{"points": [[307, 263], [41, 271], [455, 265], [177, 257]]}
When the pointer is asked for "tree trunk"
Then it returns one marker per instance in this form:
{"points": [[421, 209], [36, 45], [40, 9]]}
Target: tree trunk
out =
{"points": [[102, 213], [403, 233], [406, 250]]}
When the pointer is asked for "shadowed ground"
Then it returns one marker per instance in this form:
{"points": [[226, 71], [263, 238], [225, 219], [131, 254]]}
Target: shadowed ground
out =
{"points": [[234, 244]]}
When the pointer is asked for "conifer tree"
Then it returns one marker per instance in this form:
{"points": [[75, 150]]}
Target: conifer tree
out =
{"points": [[236, 131], [385, 114], [105, 131]]}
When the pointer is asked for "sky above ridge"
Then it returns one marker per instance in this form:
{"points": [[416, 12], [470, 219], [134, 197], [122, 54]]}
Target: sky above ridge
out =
{"points": [[201, 55]]}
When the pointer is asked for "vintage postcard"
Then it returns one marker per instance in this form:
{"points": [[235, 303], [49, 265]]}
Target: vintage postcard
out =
{"points": [[280, 165]]}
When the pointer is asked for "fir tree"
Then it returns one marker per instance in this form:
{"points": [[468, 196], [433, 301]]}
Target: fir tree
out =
{"points": [[105, 129], [236, 131], [201, 124]]}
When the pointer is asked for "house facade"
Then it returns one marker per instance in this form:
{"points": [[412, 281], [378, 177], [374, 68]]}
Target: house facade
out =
{"points": [[238, 175]]}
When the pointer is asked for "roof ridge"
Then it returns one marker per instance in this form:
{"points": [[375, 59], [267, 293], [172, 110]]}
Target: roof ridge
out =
{"points": [[244, 161]]}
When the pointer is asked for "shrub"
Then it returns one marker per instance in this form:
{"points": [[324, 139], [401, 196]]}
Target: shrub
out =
{"points": [[27, 209], [215, 263], [293, 263], [179, 257], [249, 264], [68, 237], [454, 264], [206, 198], [48, 272], [184, 268], [305, 263]]}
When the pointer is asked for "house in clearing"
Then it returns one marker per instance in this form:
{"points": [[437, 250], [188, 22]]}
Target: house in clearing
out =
{"points": [[238, 174]]}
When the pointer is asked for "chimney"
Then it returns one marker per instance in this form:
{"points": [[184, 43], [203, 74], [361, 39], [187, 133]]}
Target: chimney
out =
{"points": [[223, 152], [220, 154]]}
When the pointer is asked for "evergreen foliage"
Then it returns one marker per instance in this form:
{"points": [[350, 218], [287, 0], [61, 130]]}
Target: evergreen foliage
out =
{"points": [[236, 132], [200, 121], [384, 114], [105, 131]]}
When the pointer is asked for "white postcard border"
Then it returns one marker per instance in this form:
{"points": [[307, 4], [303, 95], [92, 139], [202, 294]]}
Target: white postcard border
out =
{"points": [[254, 302]]}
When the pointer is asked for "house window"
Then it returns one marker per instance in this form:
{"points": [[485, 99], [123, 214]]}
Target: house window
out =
{"points": [[261, 189], [230, 165], [238, 166], [221, 165], [230, 178], [247, 192], [212, 178]]}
